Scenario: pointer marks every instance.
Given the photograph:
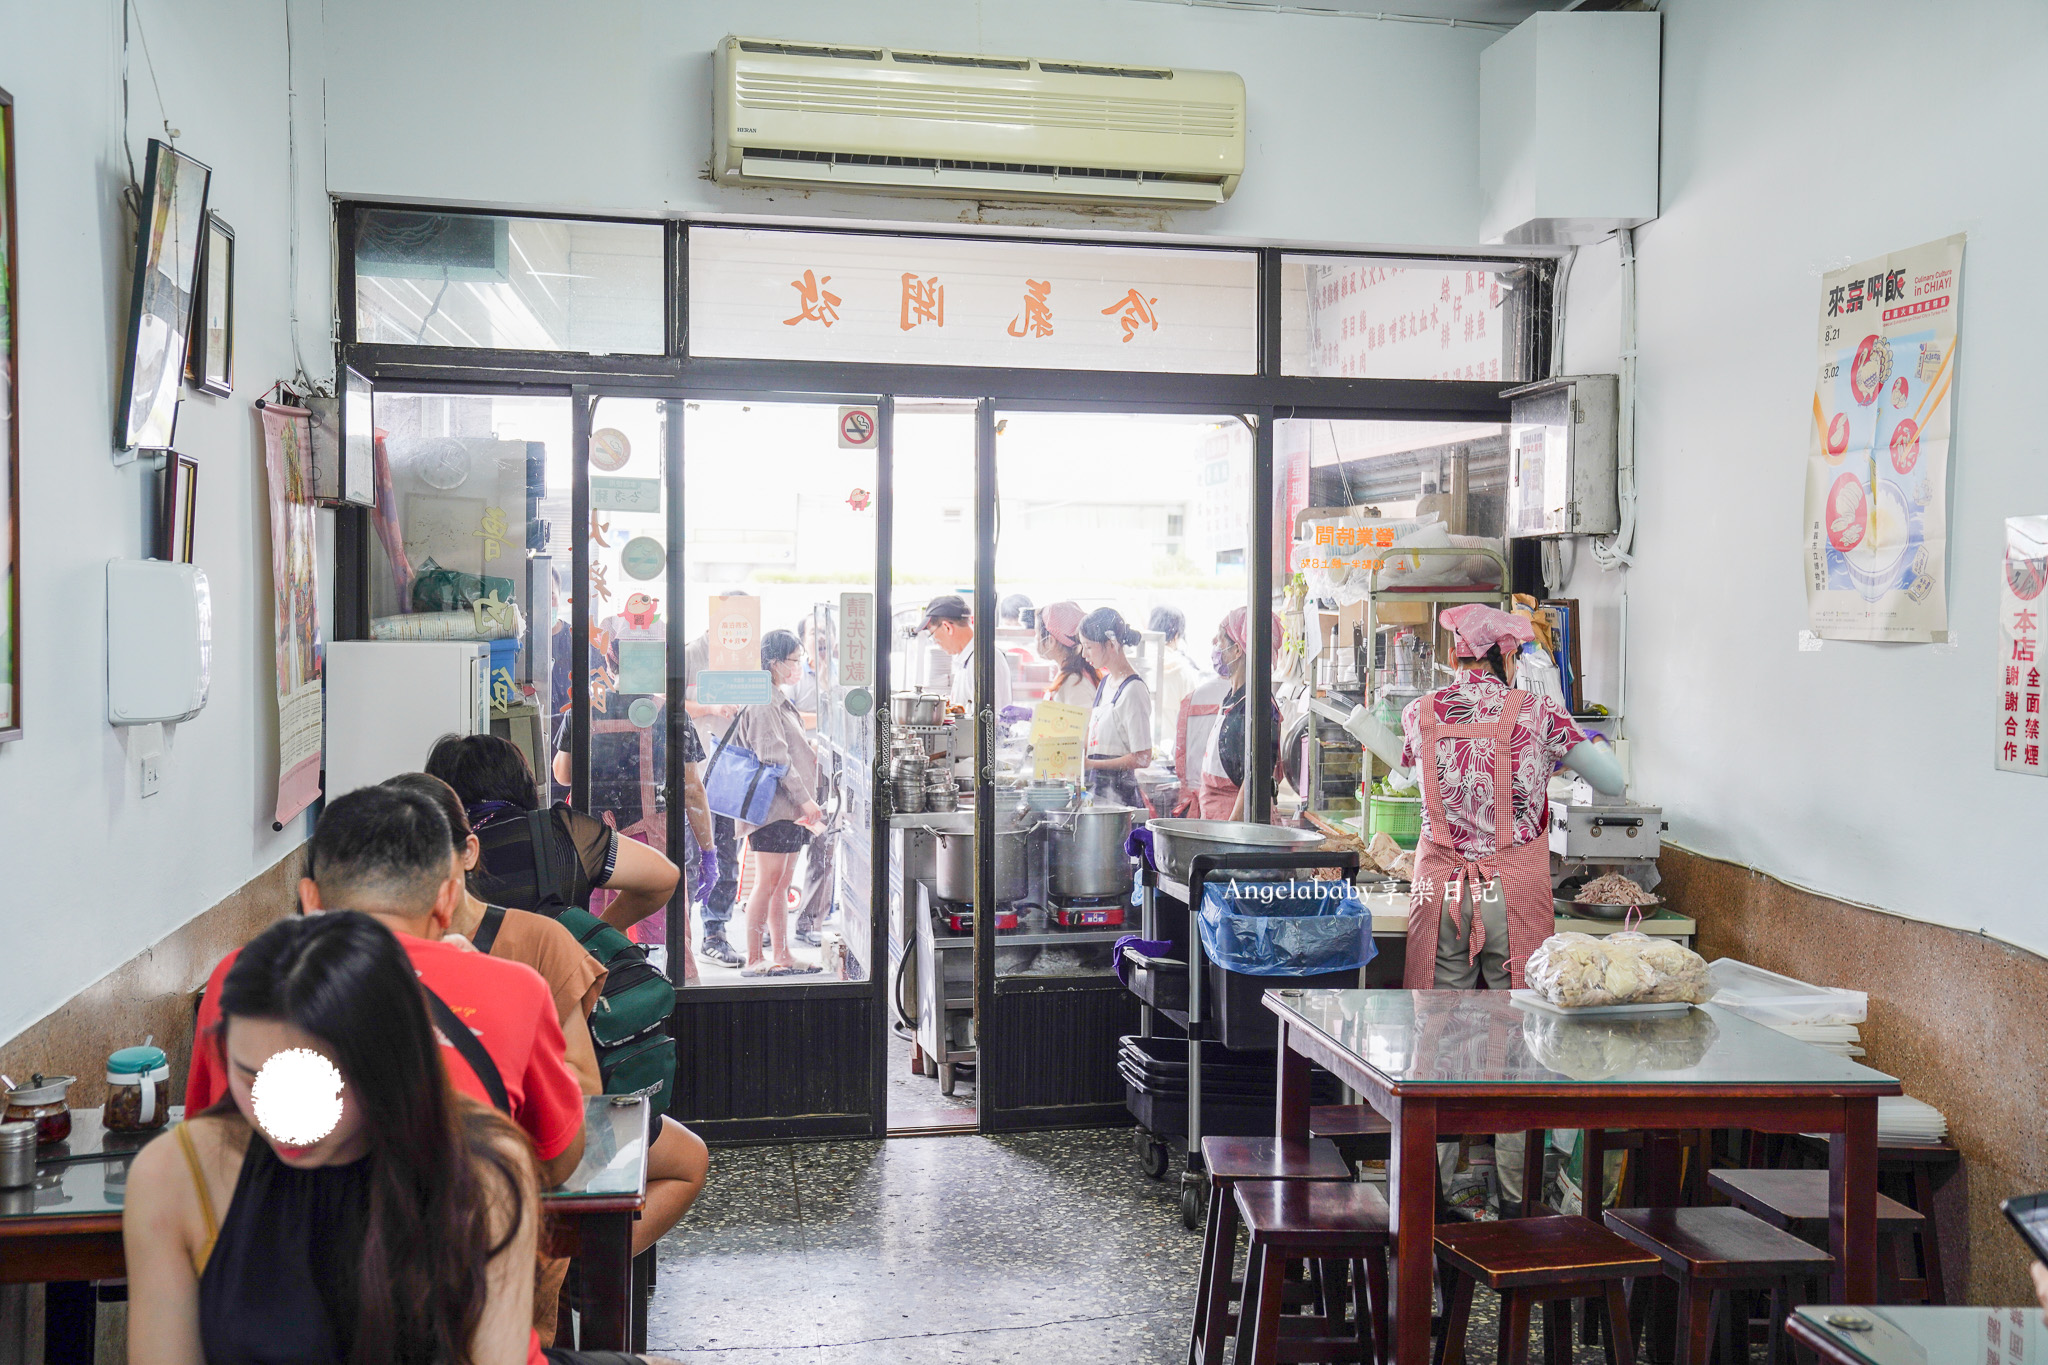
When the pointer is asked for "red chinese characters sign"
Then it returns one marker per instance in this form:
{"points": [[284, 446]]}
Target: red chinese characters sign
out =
{"points": [[804, 295], [2020, 656]]}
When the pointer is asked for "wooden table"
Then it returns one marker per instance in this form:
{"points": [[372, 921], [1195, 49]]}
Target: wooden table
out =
{"points": [[1435, 1062], [67, 1227], [1918, 1336]]}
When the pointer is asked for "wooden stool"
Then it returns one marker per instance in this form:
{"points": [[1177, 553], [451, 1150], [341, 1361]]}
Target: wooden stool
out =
{"points": [[1714, 1252], [1797, 1201], [1229, 1160], [1539, 1260], [1910, 1172], [1335, 1224], [1360, 1133]]}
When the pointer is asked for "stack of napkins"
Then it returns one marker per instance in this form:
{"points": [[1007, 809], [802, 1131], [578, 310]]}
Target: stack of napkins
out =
{"points": [[1901, 1118], [1840, 1039]]}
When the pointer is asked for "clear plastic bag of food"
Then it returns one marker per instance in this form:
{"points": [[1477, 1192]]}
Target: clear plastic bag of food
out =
{"points": [[1578, 970]]}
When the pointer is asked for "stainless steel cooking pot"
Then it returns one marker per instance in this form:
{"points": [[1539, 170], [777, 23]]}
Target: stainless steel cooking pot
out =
{"points": [[1088, 856], [954, 836], [917, 708], [1176, 842]]}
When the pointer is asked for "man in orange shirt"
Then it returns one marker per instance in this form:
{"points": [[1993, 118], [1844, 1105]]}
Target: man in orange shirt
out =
{"points": [[385, 852]]}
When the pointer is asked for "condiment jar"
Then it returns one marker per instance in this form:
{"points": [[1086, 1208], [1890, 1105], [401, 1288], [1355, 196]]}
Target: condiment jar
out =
{"points": [[17, 1155], [138, 1098], [41, 1102]]}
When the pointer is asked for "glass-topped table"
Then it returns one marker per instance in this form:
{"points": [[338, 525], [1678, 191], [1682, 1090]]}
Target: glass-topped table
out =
{"points": [[1921, 1336], [67, 1226], [1448, 1062]]}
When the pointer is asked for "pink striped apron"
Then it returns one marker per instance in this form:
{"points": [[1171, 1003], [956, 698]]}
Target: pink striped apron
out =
{"points": [[1445, 879]]}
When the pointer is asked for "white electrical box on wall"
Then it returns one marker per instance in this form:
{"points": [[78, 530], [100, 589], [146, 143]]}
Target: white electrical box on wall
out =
{"points": [[1561, 456], [159, 641], [1568, 118]]}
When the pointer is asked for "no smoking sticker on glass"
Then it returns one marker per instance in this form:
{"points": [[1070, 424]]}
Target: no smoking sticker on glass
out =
{"points": [[857, 428]]}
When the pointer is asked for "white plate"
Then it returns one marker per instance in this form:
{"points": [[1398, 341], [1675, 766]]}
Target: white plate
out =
{"points": [[1533, 1001]]}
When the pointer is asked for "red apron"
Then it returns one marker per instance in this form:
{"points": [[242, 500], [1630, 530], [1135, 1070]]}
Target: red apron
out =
{"points": [[1445, 879]]}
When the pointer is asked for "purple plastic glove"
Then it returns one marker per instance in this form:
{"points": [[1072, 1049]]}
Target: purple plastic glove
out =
{"points": [[707, 874], [1138, 844]]}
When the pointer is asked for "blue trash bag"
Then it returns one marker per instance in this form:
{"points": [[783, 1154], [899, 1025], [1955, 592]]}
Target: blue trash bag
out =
{"points": [[1290, 928]]}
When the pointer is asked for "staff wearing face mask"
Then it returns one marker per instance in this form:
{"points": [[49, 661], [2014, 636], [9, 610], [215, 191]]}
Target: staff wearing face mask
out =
{"points": [[1059, 642], [1219, 786], [774, 732]]}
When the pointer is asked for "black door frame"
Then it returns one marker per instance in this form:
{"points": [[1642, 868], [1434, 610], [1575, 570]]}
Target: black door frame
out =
{"points": [[1260, 399]]}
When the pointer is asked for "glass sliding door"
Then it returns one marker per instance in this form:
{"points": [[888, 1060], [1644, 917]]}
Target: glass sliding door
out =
{"points": [[768, 640], [1121, 550]]}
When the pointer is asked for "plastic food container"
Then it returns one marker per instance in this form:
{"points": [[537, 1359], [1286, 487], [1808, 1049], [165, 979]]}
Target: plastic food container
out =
{"points": [[41, 1102], [1776, 1000], [138, 1093]]}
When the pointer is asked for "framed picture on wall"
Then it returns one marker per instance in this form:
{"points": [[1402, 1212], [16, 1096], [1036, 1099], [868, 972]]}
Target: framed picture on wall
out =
{"points": [[168, 235], [10, 434], [177, 507], [211, 365]]}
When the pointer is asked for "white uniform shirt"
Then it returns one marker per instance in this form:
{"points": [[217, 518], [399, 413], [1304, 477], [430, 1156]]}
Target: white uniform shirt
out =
{"points": [[1121, 722], [962, 692]]}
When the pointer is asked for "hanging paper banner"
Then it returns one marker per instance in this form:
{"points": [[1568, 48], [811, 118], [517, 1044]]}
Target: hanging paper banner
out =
{"points": [[1056, 733], [2020, 603], [295, 619], [1877, 468]]}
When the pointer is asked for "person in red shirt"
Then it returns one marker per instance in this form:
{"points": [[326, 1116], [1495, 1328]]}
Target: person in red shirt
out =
{"points": [[385, 853]]}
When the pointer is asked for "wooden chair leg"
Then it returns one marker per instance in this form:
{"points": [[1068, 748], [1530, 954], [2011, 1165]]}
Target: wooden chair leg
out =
{"points": [[1212, 1291], [1621, 1348], [1330, 1289], [1695, 1323], [1372, 1278], [1450, 1347], [1259, 1320], [1255, 1280], [1534, 1143], [1514, 1329], [1930, 1242], [1557, 1332], [1730, 1312]]}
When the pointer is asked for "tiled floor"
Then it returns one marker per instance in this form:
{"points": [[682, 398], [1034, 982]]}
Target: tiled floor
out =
{"points": [[1047, 1247]]}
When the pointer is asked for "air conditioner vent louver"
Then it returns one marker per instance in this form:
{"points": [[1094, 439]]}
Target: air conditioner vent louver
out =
{"points": [[969, 125], [954, 59], [844, 54], [1129, 73], [969, 104], [937, 164]]}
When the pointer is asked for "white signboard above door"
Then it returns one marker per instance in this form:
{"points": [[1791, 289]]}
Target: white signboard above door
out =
{"points": [[780, 294]]}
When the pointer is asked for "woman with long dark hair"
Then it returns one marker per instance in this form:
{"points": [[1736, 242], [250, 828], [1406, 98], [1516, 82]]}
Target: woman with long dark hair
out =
{"points": [[1059, 642], [1120, 719], [406, 1234], [497, 788]]}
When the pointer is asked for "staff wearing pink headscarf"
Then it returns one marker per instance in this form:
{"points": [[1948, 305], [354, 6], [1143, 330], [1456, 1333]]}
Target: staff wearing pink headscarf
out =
{"points": [[1485, 751], [1059, 642], [1219, 784]]}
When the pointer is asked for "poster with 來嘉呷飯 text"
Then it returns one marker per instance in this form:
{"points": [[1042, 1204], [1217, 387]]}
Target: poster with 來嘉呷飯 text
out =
{"points": [[1877, 464]]}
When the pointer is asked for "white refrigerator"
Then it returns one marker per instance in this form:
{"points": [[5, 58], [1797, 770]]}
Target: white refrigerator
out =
{"points": [[389, 700]]}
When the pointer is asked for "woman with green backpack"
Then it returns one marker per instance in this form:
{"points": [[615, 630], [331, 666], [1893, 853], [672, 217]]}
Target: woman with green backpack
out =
{"points": [[627, 1022]]}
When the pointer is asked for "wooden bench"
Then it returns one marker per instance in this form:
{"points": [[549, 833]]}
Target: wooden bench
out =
{"points": [[1550, 1261], [1343, 1228]]}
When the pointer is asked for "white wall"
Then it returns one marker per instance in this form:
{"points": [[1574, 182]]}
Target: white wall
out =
{"points": [[1360, 131], [94, 874], [1863, 771]]}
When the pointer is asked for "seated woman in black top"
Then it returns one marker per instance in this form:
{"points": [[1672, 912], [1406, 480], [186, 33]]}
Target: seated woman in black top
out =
{"points": [[406, 1234], [581, 852]]}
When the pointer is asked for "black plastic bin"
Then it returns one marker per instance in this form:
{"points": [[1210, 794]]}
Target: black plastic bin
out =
{"points": [[1238, 1100], [1234, 1014]]}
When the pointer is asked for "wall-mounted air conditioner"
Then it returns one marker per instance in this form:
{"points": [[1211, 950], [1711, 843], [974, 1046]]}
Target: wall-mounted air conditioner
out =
{"points": [[974, 127]]}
